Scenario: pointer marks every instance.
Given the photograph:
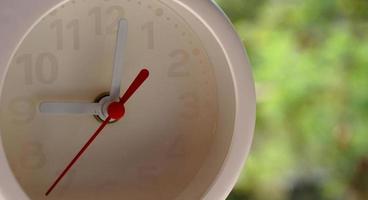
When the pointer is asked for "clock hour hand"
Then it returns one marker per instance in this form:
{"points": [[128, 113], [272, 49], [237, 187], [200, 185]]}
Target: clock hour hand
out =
{"points": [[70, 108], [119, 60]]}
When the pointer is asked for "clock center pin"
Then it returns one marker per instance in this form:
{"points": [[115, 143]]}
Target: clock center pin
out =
{"points": [[105, 100], [116, 110]]}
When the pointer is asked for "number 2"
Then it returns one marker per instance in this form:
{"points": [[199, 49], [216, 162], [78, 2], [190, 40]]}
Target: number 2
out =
{"points": [[179, 68]]}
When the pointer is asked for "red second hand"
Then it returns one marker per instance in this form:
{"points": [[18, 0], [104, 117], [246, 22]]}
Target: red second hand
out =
{"points": [[84, 148], [115, 112]]}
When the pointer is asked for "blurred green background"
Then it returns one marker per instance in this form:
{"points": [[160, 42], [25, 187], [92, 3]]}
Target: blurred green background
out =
{"points": [[310, 62]]}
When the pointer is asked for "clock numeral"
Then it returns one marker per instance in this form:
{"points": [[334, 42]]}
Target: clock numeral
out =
{"points": [[45, 68], [114, 13], [46, 62], [191, 105], [180, 67], [58, 26], [97, 13], [22, 109], [149, 27], [73, 25], [32, 156], [26, 60]]}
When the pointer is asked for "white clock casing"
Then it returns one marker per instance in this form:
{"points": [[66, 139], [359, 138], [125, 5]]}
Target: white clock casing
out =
{"points": [[17, 17]]}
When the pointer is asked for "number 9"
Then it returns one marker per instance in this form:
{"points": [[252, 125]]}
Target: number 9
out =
{"points": [[23, 110]]}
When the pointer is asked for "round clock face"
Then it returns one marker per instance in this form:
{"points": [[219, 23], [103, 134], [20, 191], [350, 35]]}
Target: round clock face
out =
{"points": [[160, 144]]}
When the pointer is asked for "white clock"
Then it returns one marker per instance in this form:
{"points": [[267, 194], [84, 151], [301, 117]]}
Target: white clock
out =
{"points": [[180, 130]]}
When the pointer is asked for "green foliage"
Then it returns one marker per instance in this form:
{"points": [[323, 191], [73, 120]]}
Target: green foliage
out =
{"points": [[355, 9], [240, 9], [310, 62]]}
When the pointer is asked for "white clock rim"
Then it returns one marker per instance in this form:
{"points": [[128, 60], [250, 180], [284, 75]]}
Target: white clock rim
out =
{"points": [[16, 29]]}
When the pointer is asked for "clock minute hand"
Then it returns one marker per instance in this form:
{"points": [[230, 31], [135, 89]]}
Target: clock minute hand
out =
{"points": [[119, 60]]}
